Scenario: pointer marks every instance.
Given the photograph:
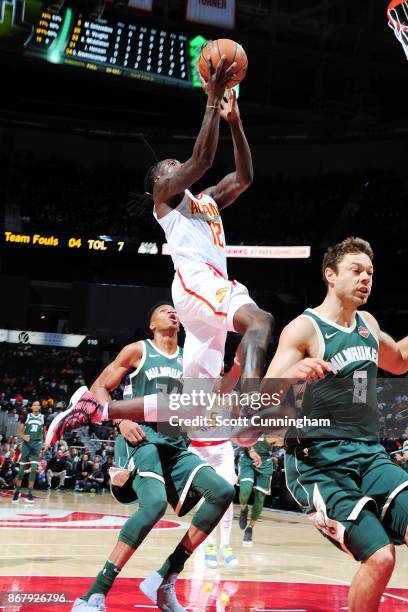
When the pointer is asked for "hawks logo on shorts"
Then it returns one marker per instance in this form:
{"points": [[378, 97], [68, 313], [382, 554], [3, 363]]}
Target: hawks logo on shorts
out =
{"points": [[220, 294], [363, 332]]}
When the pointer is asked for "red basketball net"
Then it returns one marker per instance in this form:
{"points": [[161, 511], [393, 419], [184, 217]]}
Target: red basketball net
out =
{"points": [[398, 21]]}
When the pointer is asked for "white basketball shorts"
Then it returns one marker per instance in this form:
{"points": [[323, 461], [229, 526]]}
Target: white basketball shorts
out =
{"points": [[206, 303]]}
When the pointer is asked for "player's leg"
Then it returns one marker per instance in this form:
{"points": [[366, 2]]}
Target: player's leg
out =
{"points": [[371, 580], [262, 488], [31, 478], [203, 351], [210, 551], [368, 541], [256, 511], [218, 495], [221, 457], [246, 479], [345, 515], [24, 461], [151, 493], [255, 326]]}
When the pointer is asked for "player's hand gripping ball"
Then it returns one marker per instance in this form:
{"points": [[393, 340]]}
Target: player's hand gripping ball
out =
{"points": [[233, 52]]}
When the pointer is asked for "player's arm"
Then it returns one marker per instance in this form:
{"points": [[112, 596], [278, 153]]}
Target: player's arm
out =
{"points": [[128, 358], [232, 185], [111, 377], [392, 355], [207, 140], [290, 361], [20, 432]]}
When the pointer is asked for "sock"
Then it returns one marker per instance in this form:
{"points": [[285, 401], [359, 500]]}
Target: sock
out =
{"points": [[104, 580], [226, 526], [174, 564], [17, 489], [29, 490], [211, 538]]}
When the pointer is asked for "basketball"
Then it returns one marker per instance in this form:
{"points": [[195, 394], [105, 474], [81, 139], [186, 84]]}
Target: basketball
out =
{"points": [[233, 52]]}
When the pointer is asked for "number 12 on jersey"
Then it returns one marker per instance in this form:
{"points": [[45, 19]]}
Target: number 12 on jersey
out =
{"points": [[216, 231]]}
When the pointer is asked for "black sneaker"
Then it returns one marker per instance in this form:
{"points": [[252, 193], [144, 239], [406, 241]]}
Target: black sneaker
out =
{"points": [[30, 498], [16, 496], [247, 540], [243, 518]]}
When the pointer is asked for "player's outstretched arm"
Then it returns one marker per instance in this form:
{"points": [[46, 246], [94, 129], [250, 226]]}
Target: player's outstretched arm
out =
{"points": [[392, 356], [232, 185], [206, 144]]}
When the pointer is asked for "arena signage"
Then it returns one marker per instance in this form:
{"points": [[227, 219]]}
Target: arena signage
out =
{"points": [[17, 336], [261, 252], [212, 12]]}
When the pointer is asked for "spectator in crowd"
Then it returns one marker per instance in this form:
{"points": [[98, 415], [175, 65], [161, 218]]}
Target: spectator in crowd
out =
{"points": [[41, 482], [57, 466], [94, 481], [105, 469], [82, 471], [8, 473]]}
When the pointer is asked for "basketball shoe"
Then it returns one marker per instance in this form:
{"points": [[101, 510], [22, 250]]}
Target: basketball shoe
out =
{"points": [[211, 556], [243, 518], [162, 592], [228, 557], [96, 603], [247, 539], [83, 409]]}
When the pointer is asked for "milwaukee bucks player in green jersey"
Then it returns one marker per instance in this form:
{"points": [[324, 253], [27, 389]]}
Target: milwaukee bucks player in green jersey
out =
{"points": [[255, 473], [343, 478], [31, 432], [155, 468]]}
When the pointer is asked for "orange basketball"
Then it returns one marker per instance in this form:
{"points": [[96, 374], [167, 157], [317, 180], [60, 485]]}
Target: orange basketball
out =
{"points": [[233, 52]]}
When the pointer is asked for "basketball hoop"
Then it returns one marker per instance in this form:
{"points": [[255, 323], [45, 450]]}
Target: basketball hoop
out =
{"points": [[397, 13]]}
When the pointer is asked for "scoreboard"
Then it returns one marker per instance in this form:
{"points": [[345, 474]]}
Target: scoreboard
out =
{"points": [[121, 43]]}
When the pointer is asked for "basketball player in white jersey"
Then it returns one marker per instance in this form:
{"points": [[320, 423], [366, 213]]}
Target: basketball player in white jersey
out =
{"points": [[207, 302], [219, 453]]}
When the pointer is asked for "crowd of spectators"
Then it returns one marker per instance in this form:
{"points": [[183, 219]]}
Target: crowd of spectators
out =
{"points": [[69, 467], [50, 374]]}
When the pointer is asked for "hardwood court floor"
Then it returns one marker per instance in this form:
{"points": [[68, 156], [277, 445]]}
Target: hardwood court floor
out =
{"points": [[57, 546]]}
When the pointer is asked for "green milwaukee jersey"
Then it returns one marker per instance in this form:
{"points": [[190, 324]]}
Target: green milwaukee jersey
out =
{"points": [[157, 369], [347, 397], [263, 448], [33, 427]]}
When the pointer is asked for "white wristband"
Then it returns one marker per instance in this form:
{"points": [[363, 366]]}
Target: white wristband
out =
{"points": [[150, 408], [105, 412]]}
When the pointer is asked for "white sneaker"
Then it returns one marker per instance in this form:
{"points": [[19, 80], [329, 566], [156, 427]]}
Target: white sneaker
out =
{"points": [[162, 592], [228, 557], [150, 585], [96, 603], [166, 596], [211, 556]]}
